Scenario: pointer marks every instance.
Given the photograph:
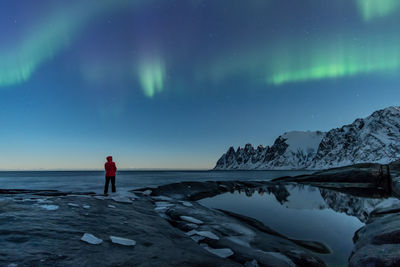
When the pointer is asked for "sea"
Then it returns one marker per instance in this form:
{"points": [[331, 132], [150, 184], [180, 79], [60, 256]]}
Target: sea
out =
{"points": [[93, 181]]}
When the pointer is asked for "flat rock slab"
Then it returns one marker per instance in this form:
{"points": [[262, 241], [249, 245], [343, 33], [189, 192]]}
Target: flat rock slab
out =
{"points": [[378, 242], [220, 252], [122, 241], [91, 239], [191, 219]]}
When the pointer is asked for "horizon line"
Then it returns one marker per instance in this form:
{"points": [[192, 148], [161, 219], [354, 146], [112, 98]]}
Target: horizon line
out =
{"points": [[122, 169]]}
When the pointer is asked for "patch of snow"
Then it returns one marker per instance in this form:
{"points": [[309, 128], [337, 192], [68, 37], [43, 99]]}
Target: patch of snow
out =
{"points": [[73, 205], [123, 197], [160, 209], [208, 234], [111, 206], [86, 206], [192, 232], [164, 204], [147, 192], [187, 204], [49, 207], [122, 241], [220, 252], [191, 219], [91, 239], [163, 198]]}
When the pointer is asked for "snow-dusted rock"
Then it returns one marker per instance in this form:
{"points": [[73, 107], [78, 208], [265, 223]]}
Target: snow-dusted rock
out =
{"points": [[207, 234], [122, 241], [191, 219], [147, 192], [164, 204], [49, 207], [160, 209], [162, 198], [91, 239], [187, 204], [220, 252], [373, 139]]}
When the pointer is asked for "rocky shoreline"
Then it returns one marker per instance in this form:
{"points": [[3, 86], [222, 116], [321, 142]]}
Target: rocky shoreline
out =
{"points": [[170, 228]]}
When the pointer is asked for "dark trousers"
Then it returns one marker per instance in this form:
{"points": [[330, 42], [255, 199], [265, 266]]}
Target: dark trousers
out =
{"points": [[108, 178]]}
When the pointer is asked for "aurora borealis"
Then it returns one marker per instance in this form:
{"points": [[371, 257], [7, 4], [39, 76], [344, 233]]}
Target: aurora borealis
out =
{"points": [[172, 84]]}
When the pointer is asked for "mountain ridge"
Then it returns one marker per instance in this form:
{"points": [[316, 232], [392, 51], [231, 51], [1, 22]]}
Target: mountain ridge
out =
{"points": [[371, 139]]}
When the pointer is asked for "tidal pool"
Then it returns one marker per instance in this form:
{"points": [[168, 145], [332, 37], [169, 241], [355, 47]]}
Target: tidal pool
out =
{"points": [[303, 212]]}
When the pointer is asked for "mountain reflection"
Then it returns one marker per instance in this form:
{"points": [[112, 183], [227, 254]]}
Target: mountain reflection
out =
{"points": [[302, 196]]}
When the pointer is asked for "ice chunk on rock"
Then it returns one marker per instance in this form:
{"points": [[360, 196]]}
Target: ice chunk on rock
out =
{"points": [[163, 198], [207, 234], [73, 205], [124, 197], [147, 192], [160, 209], [49, 207], [91, 239], [187, 204], [220, 252], [122, 241], [191, 219], [164, 204]]}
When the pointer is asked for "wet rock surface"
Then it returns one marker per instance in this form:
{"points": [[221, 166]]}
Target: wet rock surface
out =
{"points": [[247, 238], [31, 235], [378, 243], [165, 226]]}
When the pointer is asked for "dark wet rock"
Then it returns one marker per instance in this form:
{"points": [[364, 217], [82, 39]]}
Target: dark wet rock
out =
{"points": [[33, 236], [248, 238], [378, 242], [364, 180], [43, 192]]}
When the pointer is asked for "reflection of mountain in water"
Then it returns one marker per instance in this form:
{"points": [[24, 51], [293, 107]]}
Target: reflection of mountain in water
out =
{"points": [[351, 205], [279, 191], [309, 197]]}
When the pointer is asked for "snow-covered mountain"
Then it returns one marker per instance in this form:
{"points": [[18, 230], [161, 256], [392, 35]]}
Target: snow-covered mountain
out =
{"points": [[373, 139]]}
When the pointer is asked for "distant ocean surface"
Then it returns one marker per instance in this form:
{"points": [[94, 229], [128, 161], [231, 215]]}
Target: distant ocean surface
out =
{"points": [[126, 180]]}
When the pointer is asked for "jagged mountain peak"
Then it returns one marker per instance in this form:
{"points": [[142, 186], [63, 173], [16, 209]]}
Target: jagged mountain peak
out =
{"points": [[372, 139]]}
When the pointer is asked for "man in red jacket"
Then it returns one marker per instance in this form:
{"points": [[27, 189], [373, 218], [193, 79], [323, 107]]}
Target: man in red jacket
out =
{"points": [[111, 169]]}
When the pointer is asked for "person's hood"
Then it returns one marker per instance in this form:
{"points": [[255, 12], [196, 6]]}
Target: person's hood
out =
{"points": [[109, 159]]}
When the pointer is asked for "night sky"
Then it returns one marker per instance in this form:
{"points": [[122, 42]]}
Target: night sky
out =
{"points": [[174, 83]]}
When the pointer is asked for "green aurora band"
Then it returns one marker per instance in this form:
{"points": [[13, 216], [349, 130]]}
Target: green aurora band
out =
{"points": [[371, 9], [151, 74], [335, 61], [46, 38], [295, 61]]}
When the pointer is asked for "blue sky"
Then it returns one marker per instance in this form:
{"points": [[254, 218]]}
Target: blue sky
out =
{"points": [[173, 84]]}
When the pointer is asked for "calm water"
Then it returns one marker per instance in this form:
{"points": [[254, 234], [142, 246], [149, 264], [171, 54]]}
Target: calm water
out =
{"points": [[126, 180], [303, 212]]}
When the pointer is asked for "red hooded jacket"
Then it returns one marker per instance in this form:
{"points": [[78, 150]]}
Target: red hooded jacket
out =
{"points": [[110, 167]]}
